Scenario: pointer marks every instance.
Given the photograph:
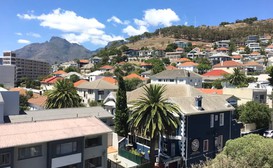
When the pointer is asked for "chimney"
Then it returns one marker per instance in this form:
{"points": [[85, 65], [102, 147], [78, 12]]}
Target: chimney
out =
{"points": [[198, 102]]}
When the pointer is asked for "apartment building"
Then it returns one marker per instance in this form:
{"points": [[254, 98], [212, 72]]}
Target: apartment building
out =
{"points": [[8, 75], [65, 143], [30, 69]]}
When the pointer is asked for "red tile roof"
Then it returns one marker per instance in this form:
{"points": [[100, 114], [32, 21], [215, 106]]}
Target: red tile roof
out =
{"points": [[110, 80], [145, 64], [170, 67], [179, 49], [211, 91], [107, 67], [186, 64], [270, 47], [236, 57], [183, 60], [79, 82], [84, 61], [255, 53], [216, 72], [133, 75], [60, 72], [51, 80], [228, 64], [38, 100], [222, 49]]}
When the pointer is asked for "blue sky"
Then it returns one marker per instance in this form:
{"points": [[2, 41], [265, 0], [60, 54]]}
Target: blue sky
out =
{"points": [[94, 23]]}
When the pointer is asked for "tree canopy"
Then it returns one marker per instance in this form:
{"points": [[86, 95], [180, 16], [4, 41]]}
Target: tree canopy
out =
{"points": [[63, 95], [254, 112]]}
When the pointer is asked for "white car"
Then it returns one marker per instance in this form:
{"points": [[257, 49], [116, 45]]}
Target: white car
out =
{"points": [[268, 134]]}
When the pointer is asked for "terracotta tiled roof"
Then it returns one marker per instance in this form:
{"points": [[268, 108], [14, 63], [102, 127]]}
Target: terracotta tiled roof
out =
{"points": [[270, 47], [222, 49], [51, 80], [84, 61], [237, 56], [122, 63], [145, 64], [133, 75], [183, 60], [228, 64], [38, 100], [179, 49], [20, 90], [110, 80], [79, 82], [211, 91], [107, 67], [216, 72], [187, 64], [60, 72], [255, 53], [170, 67]]}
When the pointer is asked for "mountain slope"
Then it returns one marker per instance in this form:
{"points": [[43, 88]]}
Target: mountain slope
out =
{"points": [[55, 50]]}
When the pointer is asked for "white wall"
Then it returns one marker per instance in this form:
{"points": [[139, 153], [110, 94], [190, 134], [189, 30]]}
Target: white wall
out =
{"points": [[11, 102]]}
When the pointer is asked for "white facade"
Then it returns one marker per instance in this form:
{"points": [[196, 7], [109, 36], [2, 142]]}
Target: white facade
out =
{"points": [[9, 104]]}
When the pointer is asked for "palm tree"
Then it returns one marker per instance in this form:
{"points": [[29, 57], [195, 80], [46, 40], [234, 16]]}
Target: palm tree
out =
{"points": [[153, 115], [237, 78], [63, 95]]}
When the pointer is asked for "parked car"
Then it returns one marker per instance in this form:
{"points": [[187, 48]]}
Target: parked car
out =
{"points": [[268, 134]]}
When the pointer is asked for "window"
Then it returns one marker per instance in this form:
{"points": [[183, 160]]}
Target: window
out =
{"points": [[94, 162], [101, 92], [171, 80], [219, 142], [90, 91], [222, 117], [206, 145], [91, 142], [4, 159], [29, 152], [66, 148], [211, 120]]}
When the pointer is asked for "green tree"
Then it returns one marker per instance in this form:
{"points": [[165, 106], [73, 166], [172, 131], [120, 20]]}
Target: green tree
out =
{"points": [[248, 151], [124, 48], [153, 115], [166, 61], [254, 112], [171, 47], [158, 65], [128, 67], [271, 77], [74, 78], [63, 95], [217, 84], [121, 114], [2, 85], [23, 103], [71, 69], [132, 84], [203, 65], [237, 78], [247, 50], [232, 47]]}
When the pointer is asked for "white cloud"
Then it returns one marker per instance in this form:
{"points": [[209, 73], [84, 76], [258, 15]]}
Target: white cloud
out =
{"points": [[157, 17], [19, 34], [36, 35], [186, 23], [140, 22], [131, 31], [77, 29], [23, 41]]}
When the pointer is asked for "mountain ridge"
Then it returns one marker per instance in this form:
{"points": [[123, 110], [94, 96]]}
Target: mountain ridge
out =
{"points": [[56, 50]]}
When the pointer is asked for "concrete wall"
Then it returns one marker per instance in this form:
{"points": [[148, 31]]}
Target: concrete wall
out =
{"points": [[11, 102], [40, 161], [7, 75], [97, 151], [1, 109]]}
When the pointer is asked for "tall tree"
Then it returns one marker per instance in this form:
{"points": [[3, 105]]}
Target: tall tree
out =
{"points": [[63, 95], [271, 76], [121, 114], [237, 78], [153, 115]]}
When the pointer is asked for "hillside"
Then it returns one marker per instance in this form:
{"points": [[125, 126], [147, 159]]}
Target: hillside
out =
{"points": [[55, 50], [235, 31]]}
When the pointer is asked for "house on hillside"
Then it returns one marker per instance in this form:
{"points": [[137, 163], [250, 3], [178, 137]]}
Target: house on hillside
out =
{"points": [[95, 91], [189, 66], [228, 66], [48, 84], [177, 76], [214, 75], [219, 57]]}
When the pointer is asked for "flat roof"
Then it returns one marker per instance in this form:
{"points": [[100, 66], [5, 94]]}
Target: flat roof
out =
{"points": [[18, 134], [64, 113]]}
